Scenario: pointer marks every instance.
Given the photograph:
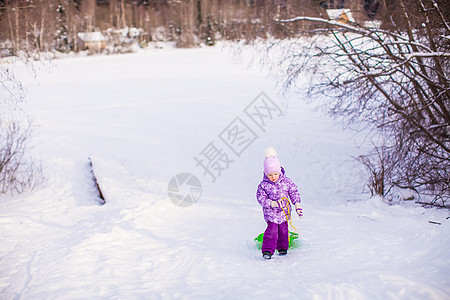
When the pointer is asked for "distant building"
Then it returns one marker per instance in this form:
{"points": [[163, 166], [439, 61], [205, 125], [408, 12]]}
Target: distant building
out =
{"points": [[92, 41], [341, 15]]}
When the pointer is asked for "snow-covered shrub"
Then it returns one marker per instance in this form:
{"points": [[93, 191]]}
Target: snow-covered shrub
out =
{"points": [[18, 172]]}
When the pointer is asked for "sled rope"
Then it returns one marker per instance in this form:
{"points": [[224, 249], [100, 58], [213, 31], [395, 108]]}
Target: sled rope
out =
{"points": [[286, 215]]}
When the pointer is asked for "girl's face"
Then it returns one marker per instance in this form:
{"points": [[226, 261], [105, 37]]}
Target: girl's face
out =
{"points": [[273, 176]]}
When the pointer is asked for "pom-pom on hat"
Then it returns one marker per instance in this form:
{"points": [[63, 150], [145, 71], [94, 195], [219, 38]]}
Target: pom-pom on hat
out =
{"points": [[271, 163]]}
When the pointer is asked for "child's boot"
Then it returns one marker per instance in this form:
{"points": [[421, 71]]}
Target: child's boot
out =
{"points": [[282, 251], [267, 255]]}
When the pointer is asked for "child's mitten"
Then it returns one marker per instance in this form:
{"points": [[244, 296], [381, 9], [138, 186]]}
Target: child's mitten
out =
{"points": [[278, 204], [299, 210]]}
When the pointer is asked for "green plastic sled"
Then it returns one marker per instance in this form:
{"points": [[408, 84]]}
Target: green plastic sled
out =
{"points": [[293, 242]]}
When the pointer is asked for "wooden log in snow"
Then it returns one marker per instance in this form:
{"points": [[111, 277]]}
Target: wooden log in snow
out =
{"points": [[102, 199]]}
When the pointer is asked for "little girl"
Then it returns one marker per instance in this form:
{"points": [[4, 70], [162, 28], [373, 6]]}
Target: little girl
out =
{"points": [[272, 194]]}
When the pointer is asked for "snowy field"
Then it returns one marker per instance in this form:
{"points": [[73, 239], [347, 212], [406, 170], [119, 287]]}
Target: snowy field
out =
{"points": [[144, 118]]}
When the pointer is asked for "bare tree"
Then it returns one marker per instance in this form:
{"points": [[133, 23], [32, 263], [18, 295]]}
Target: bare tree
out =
{"points": [[396, 78], [18, 171]]}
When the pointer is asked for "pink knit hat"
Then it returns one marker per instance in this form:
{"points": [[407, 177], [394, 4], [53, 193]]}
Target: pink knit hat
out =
{"points": [[271, 163]]}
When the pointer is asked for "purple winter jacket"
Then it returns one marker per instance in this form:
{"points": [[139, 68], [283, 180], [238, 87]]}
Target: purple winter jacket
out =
{"points": [[269, 191]]}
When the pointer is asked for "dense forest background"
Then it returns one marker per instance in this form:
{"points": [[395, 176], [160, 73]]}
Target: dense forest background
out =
{"points": [[49, 25]]}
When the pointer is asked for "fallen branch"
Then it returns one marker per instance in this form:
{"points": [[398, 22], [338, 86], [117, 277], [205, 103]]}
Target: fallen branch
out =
{"points": [[433, 222]]}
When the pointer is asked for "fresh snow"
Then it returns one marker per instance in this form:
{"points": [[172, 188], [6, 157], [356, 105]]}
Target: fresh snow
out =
{"points": [[143, 118]]}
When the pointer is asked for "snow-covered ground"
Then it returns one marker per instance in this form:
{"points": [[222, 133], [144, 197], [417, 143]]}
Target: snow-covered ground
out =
{"points": [[144, 118]]}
